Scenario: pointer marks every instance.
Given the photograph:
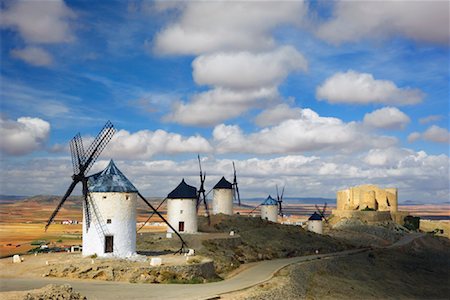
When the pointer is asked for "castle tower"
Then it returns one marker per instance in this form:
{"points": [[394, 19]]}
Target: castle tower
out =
{"points": [[392, 196], [112, 209], [269, 209], [315, 223], [182, 208], [222, 198]]}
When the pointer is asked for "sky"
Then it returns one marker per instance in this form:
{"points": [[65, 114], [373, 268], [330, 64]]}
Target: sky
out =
{"points": [[316, 96]]}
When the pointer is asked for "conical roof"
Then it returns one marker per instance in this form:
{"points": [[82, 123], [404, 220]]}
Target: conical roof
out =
{"points": [[223, 184], [110, 179], [183, 191], [270, 201], [315, 217]]}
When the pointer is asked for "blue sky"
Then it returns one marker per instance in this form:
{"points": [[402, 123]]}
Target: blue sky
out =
{"points": [[317, 96]]}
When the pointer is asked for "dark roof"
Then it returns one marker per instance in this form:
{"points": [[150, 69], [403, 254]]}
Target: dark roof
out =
{"points": [[110, 179], [270, 201], [315, 217], [183, 191], [223, 184]]}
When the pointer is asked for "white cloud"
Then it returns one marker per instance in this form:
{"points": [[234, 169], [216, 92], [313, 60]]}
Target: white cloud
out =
{"points": [[436, 134], [33, 55], [419, 20], [418, 176], [363, 88], [219, 104], [205, 27], [387, 118], [414, 136], [247, 70], [145, 144], [39, 21], [390, 157], [306, 133], [432, 134], [430, 119], [23, 136], [277, 114]]}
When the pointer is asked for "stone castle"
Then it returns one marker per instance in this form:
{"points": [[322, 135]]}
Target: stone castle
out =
{"points": [[369, 203], [367, 197]]}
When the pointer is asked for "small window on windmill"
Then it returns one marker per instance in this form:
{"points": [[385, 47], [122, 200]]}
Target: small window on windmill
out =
{"points": [[108, 221], [104, 197], [127, 197], [181, 212]]}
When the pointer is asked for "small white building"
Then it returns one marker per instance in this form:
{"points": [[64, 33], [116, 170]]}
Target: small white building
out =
{"points": [[222, 198], [112, 208], [182, 208], [315, 223], [269, 209]]}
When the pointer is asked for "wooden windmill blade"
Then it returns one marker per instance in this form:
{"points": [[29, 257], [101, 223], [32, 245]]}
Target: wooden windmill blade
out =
{"points": [[183, 243], [151, 215], [236, 194], [201, 196], [82, 161]]}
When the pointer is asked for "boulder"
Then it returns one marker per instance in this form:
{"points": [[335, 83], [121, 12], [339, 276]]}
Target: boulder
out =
{"points": [[17, 259], [155, 261]]}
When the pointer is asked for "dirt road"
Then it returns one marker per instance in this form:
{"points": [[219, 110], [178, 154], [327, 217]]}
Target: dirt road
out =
{"points": [[257, 273]]}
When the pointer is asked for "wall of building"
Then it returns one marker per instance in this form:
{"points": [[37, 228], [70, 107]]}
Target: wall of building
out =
{"points": [[222, 201], [371, 196], [364, 216], [269, 212], [182, 210], [315, 226], [120, 208]]}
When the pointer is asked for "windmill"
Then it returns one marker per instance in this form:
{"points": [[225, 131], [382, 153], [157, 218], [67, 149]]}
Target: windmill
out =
{"points": [[322, 212], [280, 201], [82, 161], [236, 195], [201, 197]]}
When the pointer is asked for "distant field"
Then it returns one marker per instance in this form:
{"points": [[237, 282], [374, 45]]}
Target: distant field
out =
{"points": [[22, 221]]}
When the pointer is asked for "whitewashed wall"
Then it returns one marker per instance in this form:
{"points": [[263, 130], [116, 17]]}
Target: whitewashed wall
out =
{"points": [[182, 210], [222, 201], [121, 209], [269, 212]]}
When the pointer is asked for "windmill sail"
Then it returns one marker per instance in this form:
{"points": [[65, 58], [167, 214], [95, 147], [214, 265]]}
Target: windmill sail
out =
{"points": [[236, 194]]}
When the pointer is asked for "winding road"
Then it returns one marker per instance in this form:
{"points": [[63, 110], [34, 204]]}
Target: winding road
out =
{"points": [[253, 275]]}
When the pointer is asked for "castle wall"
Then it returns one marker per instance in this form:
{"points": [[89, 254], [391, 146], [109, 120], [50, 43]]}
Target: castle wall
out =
{"points": [[182, 210], [371, 196], [222, 201], [365, 216], [120, 209], [269, 212]]}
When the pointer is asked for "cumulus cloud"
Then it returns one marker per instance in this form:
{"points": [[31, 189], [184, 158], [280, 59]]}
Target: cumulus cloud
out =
{"points": [[145, 144], [306, 133], [39, 21], [23, 136], [362, 88], [387, 118], [33, 55], [219, 104], [434, 134], [247, 70], [276, 114], [205, 27], [426, 21], [430, 119], [418, 176]]}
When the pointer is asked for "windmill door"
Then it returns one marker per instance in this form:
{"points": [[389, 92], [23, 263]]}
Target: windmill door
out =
{"points": [[109, 243], [181, 226]]}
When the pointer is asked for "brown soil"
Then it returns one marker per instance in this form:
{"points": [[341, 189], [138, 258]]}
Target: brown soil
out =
{"points": [[419, 270]]}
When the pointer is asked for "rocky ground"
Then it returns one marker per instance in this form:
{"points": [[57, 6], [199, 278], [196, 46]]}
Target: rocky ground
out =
{"points": [[419, 270], [254, 240], [48, 292]]}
